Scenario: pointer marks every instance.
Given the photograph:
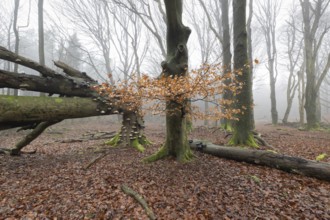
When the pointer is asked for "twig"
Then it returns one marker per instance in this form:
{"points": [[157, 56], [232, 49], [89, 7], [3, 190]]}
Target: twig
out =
{"points": [[139, 199], [96, 160]]}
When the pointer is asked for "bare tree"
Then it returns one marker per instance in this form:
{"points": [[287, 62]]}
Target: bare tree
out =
{"points": [[226, 58], [313, 37], [15, 28], [295, 57], [242, 128], [93, 19], [206, 41], [127, 41], [268, 11], [152, 15]]}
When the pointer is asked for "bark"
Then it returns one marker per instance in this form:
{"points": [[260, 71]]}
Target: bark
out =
{"points": [[131, 132], [227, 95], [286, 163], [249, 45], [23, 110], [176, 63], [312, 14], [31, 136], [242, 128], [127, 190], [16, 32], [41, 32]]}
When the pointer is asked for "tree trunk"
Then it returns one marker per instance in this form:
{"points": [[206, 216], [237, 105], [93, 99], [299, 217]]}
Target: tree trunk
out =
{"points": [[301, 97], [176, 63], [27, 110], [273, 99], [242, 128], [16, 32], [41, 34], [286, 163], [249, 45], [131, 132], [227, 95]]}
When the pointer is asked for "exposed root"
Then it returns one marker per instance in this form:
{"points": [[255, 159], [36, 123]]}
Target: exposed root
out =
{"points": [[113, 141], [163, 152], [140, 200], [235, 140], [136, 144]]}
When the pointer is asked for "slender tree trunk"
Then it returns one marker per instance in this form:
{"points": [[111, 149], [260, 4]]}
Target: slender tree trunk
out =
{"points": [[250, 54], [242, 128], [176, 63], [273, 99], [226, 56], [15, 27], [301, 98], [41, 34]]}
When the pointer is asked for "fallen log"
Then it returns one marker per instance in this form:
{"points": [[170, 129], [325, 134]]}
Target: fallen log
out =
{"points": [[319, 170], [24, 110]]}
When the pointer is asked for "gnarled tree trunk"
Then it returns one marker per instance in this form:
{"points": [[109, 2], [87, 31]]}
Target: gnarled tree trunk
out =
{"points": [[176, 64]]}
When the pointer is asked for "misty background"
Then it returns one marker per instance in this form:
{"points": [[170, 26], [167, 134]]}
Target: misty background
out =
{"points": [[102, 37]]}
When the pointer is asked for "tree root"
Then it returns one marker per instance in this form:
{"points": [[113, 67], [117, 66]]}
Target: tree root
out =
{"points": [[160, 154], [138, 143], [164, 152], [140, 200]]}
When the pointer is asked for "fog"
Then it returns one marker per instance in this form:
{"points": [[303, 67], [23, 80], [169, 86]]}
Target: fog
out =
{"points": [[87, 54]]}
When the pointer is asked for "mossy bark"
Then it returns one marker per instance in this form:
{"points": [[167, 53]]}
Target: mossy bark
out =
{"points": [[176, 64], [131, 132], [23, 110], [242, 128]]}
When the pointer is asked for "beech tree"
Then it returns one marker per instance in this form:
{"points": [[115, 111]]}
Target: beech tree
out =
{"points": [[314, 34], [242, 127], [267, 13], [176, 64], [296, 65]]}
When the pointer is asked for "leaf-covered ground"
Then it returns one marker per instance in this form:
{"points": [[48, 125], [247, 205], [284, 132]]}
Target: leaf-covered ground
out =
{"points": [[52, 184]]}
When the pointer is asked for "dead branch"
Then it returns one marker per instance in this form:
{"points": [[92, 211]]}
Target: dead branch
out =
{"points": [[139, 199]]}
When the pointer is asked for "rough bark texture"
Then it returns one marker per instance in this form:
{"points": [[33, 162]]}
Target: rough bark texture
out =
{"points": [[131, 132], [286, 163], [176, 63], [242, 128], [24, 110]]}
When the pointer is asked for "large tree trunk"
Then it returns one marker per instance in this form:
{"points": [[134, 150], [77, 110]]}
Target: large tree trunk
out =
{"points": [[23, 110], [176, 64], [242, 128], [286, 163]]}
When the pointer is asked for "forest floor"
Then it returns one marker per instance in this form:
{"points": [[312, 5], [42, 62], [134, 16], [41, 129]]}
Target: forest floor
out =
{"points": [[53, 184]]}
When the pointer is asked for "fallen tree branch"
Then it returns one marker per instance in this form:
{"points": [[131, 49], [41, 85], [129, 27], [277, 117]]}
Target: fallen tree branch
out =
{"points": [[70, 71], [139, 199], [319, 170], [12, 57], [96, 160], [89, 137], [56, 85], [31, 136]]}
